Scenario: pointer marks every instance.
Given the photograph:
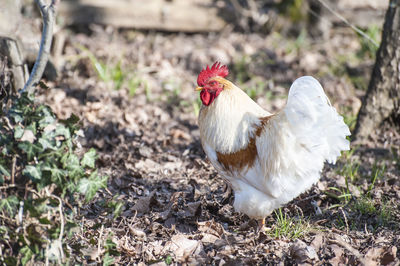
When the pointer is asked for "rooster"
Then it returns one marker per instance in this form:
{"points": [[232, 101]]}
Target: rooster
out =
{"points": [[268, 159]]}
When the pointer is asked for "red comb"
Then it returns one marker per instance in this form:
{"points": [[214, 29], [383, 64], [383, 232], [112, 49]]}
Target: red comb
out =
{"points": [[215, 70]]}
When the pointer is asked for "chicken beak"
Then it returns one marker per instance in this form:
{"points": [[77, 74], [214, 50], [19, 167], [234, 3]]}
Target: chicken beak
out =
{"points": [[198, 89]]}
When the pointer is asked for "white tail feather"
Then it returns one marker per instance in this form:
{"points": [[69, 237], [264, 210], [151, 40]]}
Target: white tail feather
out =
{"points": [[314, 121]]}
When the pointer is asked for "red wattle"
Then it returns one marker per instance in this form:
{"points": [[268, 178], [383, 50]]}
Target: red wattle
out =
{"points": [[206, 97]]}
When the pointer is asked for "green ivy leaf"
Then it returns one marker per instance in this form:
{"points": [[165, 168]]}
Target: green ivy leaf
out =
{"points": [[35, 207], [30, 149], [10, 260], [61, 130], [71, 163], [27, 254], [57, 175], [71, 121], [108, 260], [32, 127], [33, 172], [17, 116], [44, 220], [3, 171], [4, 151], [89, 158], [43, 85], [48, 117], [9, 205], [3, 229], [46, 144], [89, 186], [18, 132]]}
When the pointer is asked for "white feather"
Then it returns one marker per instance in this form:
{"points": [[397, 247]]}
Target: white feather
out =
{"points": [[292, 147]]}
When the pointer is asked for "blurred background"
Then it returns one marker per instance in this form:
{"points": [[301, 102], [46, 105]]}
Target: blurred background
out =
{"points": [[155, 50]]}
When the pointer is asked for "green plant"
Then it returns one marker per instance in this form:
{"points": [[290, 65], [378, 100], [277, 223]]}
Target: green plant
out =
{"points": [[256, 90], [147, 91], [377, 172], [365, 205], [287, 227], [385, 213], [117, 75], [369, 44], [168, 260], [396, 156], [349, 118], [133, 84], [110, 251], [105, 72], [240, 69], [115, 205], [350, 170], [343, 196], [293, 10], [42, 171], [196, 106], [299, 43]]}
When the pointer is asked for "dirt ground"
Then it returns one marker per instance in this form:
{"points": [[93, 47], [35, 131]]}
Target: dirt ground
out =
{"points": [[166, 204]]}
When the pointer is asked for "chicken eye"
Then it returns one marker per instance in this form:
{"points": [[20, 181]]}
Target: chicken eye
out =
{"points": [[213, 83]]}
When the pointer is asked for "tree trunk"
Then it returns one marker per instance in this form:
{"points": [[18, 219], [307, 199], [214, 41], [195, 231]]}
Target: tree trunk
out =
{"points": [[382, 101]]}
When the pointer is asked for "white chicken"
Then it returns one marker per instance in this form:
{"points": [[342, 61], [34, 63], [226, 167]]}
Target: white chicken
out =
{"points": [[268, 159]]}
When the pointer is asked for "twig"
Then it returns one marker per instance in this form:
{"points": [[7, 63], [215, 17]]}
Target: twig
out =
{"points": [[47, 257], [9, 186], [345, 219], [14, 163], [60, 236], [7, 121], [1, 254], [60, 209], [348, 23], [48, 14], [21, 212], [99, 241]]}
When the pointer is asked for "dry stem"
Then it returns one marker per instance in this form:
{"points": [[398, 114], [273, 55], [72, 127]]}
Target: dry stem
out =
{"points": [[48, 14]]}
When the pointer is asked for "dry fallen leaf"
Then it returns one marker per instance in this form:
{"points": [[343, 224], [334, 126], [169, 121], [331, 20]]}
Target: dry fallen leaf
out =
{"points": [[91, 252], [148, 165], [209, 238], [137, 232], [145, 151], [301, 252], [182, 246], [193, 209], [318, 241], [211, 227], [28, 136], [389, 257], [180, 134], [143, 205], [374, 253], [338, 253]]}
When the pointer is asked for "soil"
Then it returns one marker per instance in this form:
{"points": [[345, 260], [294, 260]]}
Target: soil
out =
{"points": [[175, 206]]}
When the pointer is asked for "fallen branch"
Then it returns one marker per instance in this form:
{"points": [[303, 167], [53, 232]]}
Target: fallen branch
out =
{"points": [[48, 15]]}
